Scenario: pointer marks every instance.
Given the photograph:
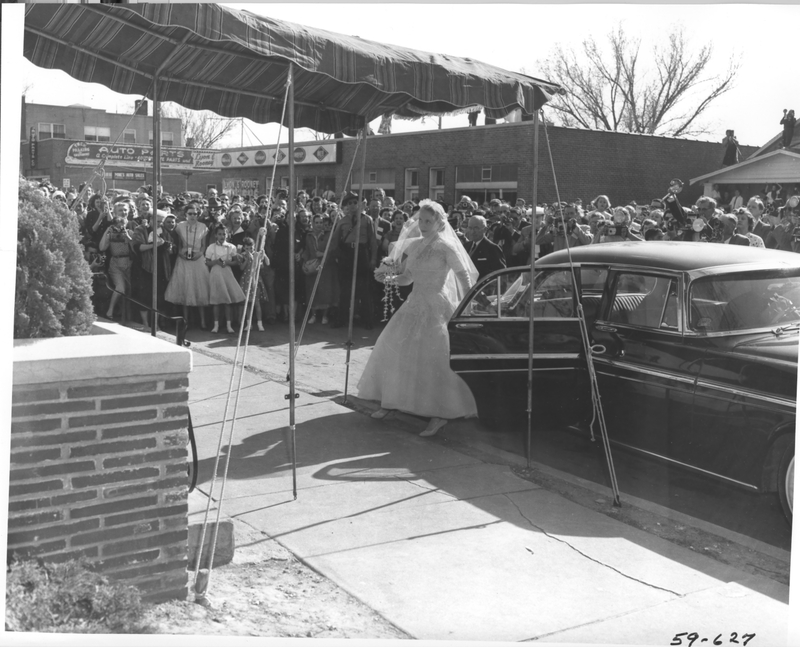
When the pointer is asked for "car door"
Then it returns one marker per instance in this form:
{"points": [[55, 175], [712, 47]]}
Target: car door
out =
{"points": [[489, 336], [748, 378], [646, 374]]}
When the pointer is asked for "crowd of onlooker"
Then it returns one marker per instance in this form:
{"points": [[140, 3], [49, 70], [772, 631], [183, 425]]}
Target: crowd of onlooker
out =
{"points": [[206, 248]]}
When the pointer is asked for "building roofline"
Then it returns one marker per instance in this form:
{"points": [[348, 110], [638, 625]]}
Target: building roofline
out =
{"points": [[766, 146], [515, 124], [747, 162]]}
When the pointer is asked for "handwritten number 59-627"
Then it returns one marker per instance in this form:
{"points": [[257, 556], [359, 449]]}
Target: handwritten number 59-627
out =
{"points": [[693, 637]]}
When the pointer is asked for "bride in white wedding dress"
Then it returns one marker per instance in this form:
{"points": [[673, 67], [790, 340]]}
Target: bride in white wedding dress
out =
{"points": [[409, 368]]}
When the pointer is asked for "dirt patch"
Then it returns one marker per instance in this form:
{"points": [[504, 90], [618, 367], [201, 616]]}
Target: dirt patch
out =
{"points": [[266, 591]]}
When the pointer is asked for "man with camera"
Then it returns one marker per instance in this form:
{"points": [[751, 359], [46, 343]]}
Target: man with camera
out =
{"points": [[562, 232], [786, 229]]}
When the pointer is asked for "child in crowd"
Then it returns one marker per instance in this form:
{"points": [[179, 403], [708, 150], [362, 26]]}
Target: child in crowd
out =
{"points": [[223, 289], [248, 258]]}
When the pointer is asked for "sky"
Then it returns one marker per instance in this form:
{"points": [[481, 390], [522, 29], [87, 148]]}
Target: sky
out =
{"points": [[516, 37]]}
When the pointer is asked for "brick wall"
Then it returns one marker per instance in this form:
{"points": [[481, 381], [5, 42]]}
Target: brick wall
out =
{"points": [[99, 468], [587, 163]]}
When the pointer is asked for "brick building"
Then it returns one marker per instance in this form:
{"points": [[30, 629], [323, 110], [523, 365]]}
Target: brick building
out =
{"points": [[482, 162], [497, 161], [49, 131]]}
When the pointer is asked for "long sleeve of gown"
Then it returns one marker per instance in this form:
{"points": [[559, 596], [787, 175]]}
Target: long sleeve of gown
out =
{"points": [[455, 263]]}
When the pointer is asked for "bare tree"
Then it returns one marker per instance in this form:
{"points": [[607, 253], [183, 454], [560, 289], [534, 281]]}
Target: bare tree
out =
{"points": [[201, 128], [617, 87]]}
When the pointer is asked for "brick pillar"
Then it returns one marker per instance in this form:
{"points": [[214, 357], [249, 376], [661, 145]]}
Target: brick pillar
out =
{"points": [[99, 456]]}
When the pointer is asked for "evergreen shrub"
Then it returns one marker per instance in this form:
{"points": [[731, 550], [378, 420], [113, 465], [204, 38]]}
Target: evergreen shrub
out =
{"points": [[53, 280]]}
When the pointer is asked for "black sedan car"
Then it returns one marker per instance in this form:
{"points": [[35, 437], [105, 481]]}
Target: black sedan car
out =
{"points": [[695, 349]]}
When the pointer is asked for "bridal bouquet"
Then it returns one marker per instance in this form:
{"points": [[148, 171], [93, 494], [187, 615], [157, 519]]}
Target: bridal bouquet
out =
{"points": [[388, 272]]}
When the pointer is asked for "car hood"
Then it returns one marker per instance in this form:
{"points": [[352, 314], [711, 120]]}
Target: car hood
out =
{"points": [[767, 345]]}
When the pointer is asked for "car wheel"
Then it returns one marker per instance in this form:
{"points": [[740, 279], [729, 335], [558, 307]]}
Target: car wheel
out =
{"points": [[786, 481]]}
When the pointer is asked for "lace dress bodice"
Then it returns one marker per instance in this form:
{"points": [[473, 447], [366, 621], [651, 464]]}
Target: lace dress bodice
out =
{"points": [[428, 266]]}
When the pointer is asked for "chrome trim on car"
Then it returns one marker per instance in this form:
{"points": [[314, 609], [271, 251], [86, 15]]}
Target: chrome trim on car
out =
{"points": [[772, 399], [728, 333], [606, 326], [522, 369], [669, 375], [519, 356], [694, 381], [687, 466]]}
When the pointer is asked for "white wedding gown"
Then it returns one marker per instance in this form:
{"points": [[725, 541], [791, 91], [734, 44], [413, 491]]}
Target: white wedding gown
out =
{"points": [[409, 368]]}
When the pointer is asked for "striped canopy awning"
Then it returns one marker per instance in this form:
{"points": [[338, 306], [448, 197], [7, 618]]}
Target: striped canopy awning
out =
{"points": [[211, 57]]}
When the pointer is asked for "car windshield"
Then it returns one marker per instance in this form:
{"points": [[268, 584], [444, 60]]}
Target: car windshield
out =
{"points": [[744, 301]]}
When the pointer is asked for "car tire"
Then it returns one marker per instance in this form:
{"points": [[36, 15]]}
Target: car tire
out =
{"points": [[786, 481]]}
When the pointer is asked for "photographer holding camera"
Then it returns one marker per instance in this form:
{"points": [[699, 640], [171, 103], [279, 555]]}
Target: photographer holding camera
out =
{"points": [[619, 229], [562, 230], [788, 122], [786, 222]]}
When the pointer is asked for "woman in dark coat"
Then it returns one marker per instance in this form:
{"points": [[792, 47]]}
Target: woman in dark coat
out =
{"points": [[142, 270]]}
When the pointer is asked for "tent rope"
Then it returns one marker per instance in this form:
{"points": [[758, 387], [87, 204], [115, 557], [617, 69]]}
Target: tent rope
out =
{"points": [[201, 581], [325, 255], [597, 405], [349, 343]]}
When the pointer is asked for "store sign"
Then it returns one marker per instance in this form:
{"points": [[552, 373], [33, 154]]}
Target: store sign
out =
{"points": [[203, 159], [316, 153], [236, 186], [128, 175], [133, 156], [33, 144]]}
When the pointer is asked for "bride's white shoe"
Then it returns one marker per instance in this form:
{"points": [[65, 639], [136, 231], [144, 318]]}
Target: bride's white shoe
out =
{"points": [[380, 414], [433, 426]]}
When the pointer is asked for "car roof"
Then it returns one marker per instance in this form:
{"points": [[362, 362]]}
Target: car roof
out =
{"points": [[673, 255]]}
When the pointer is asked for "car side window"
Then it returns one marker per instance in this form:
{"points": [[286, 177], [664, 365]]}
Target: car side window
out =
{"points": [[554, 294], [646, 301], [515, 294], [593, 281], [743, 301], [484, 301]]}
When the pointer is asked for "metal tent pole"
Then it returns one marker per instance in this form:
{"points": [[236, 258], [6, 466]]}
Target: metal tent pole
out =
{"points": [[531, 294], [292, 394], [355, 261], [154, 218]]}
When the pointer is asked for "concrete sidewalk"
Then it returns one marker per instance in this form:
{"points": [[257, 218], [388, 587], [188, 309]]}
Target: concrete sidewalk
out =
{"points": [[449, 546]]}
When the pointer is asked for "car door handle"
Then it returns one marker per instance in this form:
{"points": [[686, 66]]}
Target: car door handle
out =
{"points": [[469, 325], [598, 349], [606, 328]]}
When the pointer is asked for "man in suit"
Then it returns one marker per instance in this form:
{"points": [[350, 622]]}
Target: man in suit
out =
{"points": [[344, 239], [729, 235], [486, 255]]}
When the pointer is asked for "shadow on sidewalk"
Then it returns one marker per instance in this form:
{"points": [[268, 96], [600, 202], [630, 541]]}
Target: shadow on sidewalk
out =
{"points": [[336, 448]]}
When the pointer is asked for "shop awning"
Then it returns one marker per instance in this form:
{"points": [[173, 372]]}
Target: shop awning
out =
{"points": [[211, 57]]}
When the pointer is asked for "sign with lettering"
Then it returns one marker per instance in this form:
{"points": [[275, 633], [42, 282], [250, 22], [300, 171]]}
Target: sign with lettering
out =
{"points": [[240, 186], [135, 156], [323, 152], [33, 145], [128, 175]]}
